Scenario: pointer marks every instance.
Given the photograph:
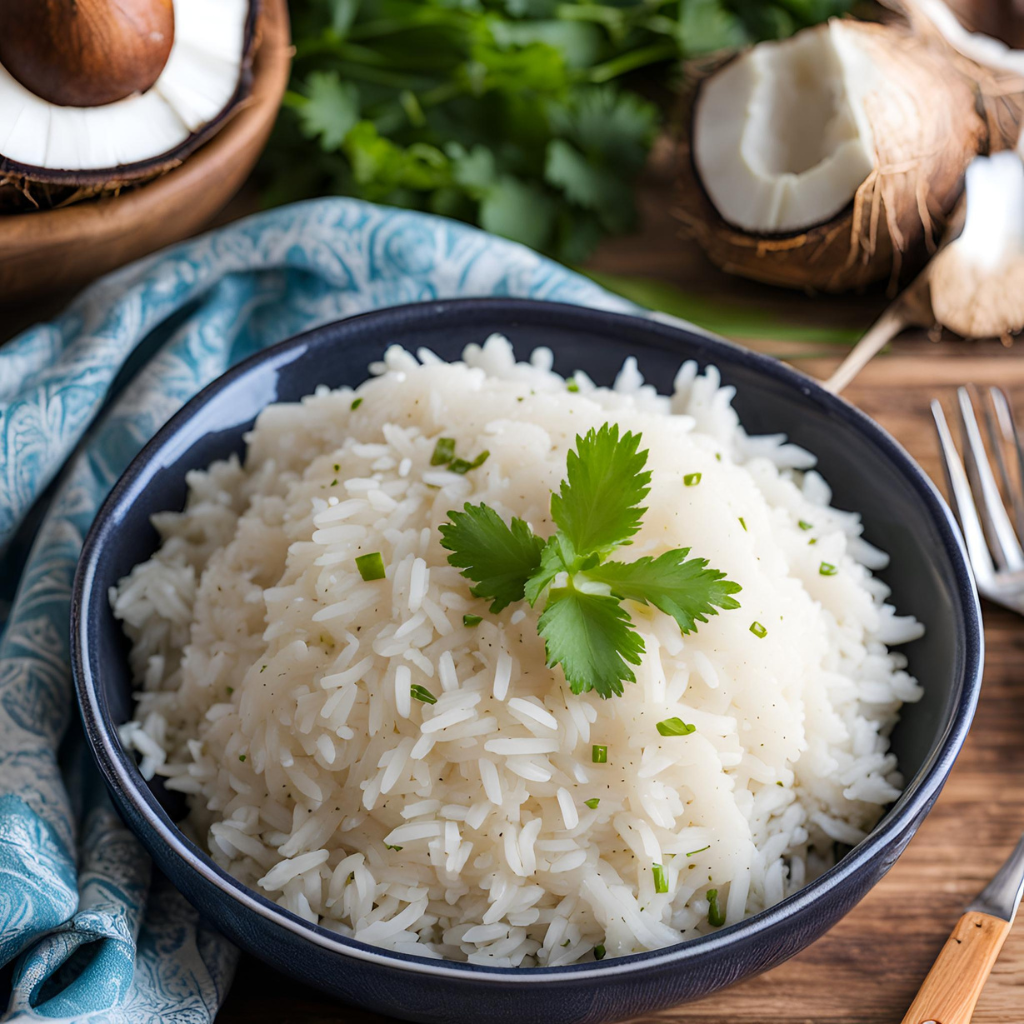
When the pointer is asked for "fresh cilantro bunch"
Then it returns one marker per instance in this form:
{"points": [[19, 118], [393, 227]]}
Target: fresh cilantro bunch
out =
{"points": [[521, 116], [597, 510]]}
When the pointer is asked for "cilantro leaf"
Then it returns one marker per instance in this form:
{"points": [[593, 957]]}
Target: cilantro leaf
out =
{"points": [[686, 590], [597, 503], [499, 558], [329, 109], [558, 556], [590, 636]]}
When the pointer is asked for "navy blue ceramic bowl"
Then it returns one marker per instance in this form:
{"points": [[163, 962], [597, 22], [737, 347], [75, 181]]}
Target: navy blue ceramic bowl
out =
{"points": [[867, 470]]}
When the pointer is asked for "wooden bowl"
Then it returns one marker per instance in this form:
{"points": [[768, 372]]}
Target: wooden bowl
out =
{"points": [[57, 250]]}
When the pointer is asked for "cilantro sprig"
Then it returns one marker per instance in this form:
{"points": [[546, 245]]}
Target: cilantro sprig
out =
{"points": [[597, 510]]}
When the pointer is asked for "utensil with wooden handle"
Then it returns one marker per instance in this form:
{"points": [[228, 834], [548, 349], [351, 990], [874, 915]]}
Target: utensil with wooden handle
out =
{"points": [[953, 985]]}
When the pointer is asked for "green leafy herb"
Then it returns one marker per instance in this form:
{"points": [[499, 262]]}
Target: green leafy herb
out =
{"points": [[471, 620], [743, 523], [675, 727], [827, 569], [758, 630], [660, 881], [371, 566], [599, 951], [241, 757], [597, 509], [444, 451], [693, 853], [804, 525], [599, 754], [691, 479], [499, 558], [388, 846], [355, 405], [572, 386], [421, 693], [523, 116], [593, 802], [716, 918]]}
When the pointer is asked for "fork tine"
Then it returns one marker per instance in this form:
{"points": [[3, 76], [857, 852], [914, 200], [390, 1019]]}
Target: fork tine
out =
{"points": [[1005, 548], [1008, 427], [963, 502]]}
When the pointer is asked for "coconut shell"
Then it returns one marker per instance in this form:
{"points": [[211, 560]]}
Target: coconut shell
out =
{"points": [[24, 187], [926, 128]]}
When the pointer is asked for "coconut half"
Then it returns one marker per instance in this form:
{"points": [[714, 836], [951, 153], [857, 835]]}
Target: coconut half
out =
{"points": [[831, 159], [56, 152]]}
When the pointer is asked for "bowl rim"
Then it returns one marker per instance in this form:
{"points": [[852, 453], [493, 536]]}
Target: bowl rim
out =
{"points": [[121, 774]]}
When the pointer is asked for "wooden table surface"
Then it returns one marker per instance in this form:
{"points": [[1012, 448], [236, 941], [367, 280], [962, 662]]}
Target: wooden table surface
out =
{"points": [[867, 969]]}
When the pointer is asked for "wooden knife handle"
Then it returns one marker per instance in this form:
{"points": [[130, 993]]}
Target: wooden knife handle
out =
{"points": [[951, 990]]}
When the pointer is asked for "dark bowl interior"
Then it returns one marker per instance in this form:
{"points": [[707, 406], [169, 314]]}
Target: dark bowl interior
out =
{"points": [[867, 471]]}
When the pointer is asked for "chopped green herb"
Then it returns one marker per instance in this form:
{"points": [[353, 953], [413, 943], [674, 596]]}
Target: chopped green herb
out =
{"points": [[715, 916], [263, 668], [471, 620], [779, 783], [444, 451], [388, 846], [371, 566], [660, 881], [334, 482], [572, 386], [599, 754], [804, 525], [355, 405], [827, 569], [718, 456], [597, 509], [692, 479], [675, 727], [337, 467], [813, 540], [241, 757], [743, 523], [593, 802], [599, 952], [567, 941], [421, 693], [693, 853], [231, 690], [758, 630], [461, 466]]}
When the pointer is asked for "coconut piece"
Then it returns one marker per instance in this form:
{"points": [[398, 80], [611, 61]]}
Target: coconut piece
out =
{"points": [[829, 160], [52, 153]]}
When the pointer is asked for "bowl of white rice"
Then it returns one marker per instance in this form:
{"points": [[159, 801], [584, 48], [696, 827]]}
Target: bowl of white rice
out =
{"points": [[333, 688]]}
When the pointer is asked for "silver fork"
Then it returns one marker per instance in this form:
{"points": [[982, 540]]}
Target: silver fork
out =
{"points": [[951, 989]]}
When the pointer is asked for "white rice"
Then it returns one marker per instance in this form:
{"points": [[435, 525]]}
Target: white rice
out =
{"points": [[275, 682]]}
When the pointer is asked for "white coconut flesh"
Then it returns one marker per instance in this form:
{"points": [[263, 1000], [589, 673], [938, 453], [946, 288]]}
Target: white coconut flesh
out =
{"points": [[197, 83], [781, 141]]}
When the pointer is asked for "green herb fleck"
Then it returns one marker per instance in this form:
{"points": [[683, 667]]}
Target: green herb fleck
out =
{"points": [[355, 405], [371, 566], [758, 630], [692, 479], [743, 523], [593, 802], [599, 952], [388, 846], [471, 620], [804, 525], [718, 456], [421, 693], [660, 881], [693, 853], [231, 690], [334, 482], [337, 467], [263, 668], [779, 783], [715, 916], [461, 466], [813, 540], [599, 754], [444, 451], [241, 757], [827, 569], [675, 727], [572, 386]]}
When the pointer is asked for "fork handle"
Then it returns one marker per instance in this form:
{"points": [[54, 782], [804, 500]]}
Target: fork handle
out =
{"points": [[951, 990]]}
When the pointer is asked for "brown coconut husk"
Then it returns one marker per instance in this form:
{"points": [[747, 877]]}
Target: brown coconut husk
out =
{"points": [[933, 119]]}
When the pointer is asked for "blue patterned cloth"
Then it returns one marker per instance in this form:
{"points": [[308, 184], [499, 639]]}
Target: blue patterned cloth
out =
{"points": [[86, 934]]}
